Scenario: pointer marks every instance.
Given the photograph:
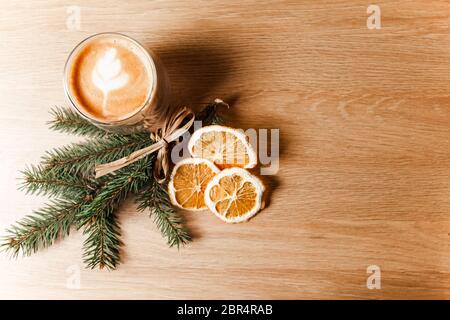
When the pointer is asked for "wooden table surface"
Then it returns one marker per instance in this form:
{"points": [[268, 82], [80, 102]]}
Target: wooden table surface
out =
{"points": [[364, 121]]}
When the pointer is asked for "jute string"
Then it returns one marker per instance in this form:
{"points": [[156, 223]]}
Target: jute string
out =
{"points": [[173, 128]]}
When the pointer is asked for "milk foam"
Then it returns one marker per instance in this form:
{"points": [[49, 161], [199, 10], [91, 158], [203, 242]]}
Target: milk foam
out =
{"points": [[108, 75], [110, 78]]}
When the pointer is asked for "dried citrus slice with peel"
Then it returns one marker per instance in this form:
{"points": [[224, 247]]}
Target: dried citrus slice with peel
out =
{"points": [[234, 195], [226, 147], [188, 183]]}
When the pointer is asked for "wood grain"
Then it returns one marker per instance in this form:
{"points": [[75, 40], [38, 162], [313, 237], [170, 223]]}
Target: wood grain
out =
{"points": [[364, 173]]}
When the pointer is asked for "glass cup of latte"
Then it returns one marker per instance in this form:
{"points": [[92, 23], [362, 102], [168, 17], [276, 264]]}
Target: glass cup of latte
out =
{"points": [[111, 80]]}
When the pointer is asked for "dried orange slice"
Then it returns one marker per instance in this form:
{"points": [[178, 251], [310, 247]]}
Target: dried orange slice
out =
{"points": [[188, 183], [234, 195], [226, 147]]}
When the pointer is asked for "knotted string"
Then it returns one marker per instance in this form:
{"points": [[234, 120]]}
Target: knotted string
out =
{"points": [[172, 129]]}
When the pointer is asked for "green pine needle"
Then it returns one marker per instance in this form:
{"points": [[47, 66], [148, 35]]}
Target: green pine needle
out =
{"points": [[42, 228], [129, 179], [81, 158], [37, 180], [103, 243], [67, 121], [102, 247], [156, 198]]}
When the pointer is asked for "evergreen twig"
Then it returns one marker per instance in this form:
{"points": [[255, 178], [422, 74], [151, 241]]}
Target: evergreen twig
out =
{"points": [[155, 197], [67, 121], [209, 115], [43, 227], [102, 245], [81, 158], [37, 180]]}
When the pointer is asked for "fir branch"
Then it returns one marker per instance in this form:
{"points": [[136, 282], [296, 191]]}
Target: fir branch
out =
{"points": [[91, 204], [68, 121], [155, 197], [129, 179], [81, 158], [101, 248], [209, 115], [37, 180], [43, 227]]}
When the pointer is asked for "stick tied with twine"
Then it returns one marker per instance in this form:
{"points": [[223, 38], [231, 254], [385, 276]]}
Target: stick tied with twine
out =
{"points": [[173, 128]]}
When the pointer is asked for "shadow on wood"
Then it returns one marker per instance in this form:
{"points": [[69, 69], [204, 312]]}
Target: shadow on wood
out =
{"points": [[197, 70]]}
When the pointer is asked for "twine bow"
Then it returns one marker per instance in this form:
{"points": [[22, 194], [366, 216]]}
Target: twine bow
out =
{"points": [[172, 129]]}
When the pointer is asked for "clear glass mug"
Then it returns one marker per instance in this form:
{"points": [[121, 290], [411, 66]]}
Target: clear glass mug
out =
{"points": [[154, 107]]}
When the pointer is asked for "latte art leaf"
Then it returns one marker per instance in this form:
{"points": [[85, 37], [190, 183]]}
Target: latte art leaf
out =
{"points": [[108, 75]]}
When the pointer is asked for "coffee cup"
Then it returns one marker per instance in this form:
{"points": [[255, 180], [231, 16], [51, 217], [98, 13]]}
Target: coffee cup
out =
{"points": [[112, 81]]}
